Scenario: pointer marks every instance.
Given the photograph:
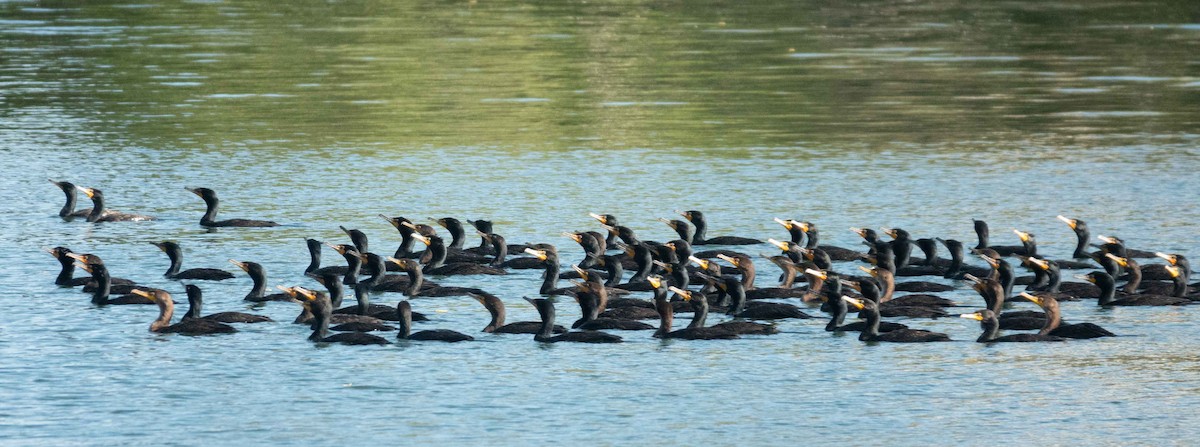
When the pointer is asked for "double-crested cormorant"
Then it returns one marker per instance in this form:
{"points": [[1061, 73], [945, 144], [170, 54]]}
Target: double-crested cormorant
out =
{"points": [[210, 214], [897, 336], [610, 223], [357, 237], [417, 286], [681, 228], [545, 308], [66, 275], [437, 264], [307, 317], [837, 308], [68, 211], [100, 214], [920, 306], [405, 250], [175, 253], [1108, 291], [991, 326], [404, 310], [196, 305], [696, 330], [1028, 245], [901, 245], [499, 248], [353, 262], [1055, 326], [318, 305], [592, 297], [258, 292], [496, 308], [701, 227], [166, 309], [758, 310], [103, 285], [1082, 236]]}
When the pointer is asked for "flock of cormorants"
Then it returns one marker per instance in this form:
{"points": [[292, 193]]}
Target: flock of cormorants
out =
{"points": [[679, 278]]}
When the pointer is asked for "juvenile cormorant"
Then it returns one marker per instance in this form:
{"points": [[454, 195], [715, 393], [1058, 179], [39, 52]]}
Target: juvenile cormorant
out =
{"points": [[166, 309], [210, 213], [1056, 327]]}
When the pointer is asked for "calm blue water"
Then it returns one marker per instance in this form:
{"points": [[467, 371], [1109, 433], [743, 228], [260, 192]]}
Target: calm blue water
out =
{"points": [[319, 115]]}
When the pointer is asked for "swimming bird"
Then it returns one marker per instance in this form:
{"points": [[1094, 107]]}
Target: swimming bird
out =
{"points": [[66, 274], [100, 214], [258, 276], [1108, 291], [100, 293], [545, 308], [319, 306], [196, 304], [175, 254], [991, 327], [437, 264], [166, 309], [897, 336], [701, 227], [496, 308], [68, 211], [696, 330], [404, 309], [210, 213], [1056, 327]]}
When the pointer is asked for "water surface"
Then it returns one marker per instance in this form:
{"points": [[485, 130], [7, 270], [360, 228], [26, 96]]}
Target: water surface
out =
{"points": [[319, 114]]}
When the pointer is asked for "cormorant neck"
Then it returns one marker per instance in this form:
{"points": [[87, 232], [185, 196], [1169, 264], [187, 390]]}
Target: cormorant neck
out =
{"points": [[500, 247], [547, 314], [406, 243], [749, 274], [195, 303], [416, 279], [437, 251], [1108, 291], [404, 324], [362, 293], [457, 234], [1053, 318], [320, 324], [210, 210], [666, 313], [644, 260], [956, 259], [700, 233], [1135, 277], [997, 294], [929, 249], [887, 283], [550, 276], [1006, 277], [67, 274], [495, 307], [871, 333], [991, 328], [1082, 235], [259, 280], [336, 292], [103, 284], [797, 235], [981, 231], [901, 250], [837, 311], [378, 269], [353, 267], [175, 254], [69, 207], [699, 312], [813, 237], [166, 309], [1030, 245], [612, 266], [1180, 286], [1053, 278], [97, 208], [737, 299], [314, 256]]}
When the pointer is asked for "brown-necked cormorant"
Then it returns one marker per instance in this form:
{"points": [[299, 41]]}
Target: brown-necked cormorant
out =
{"points": [[1055, 326], [210, 213], [175, 254], [166, 309]]}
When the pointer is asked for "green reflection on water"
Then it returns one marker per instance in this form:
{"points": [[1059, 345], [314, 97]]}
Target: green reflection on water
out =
{"points": [[613, 74]]}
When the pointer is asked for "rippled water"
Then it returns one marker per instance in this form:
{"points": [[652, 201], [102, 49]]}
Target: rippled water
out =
{"points": [[320, 114]]}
